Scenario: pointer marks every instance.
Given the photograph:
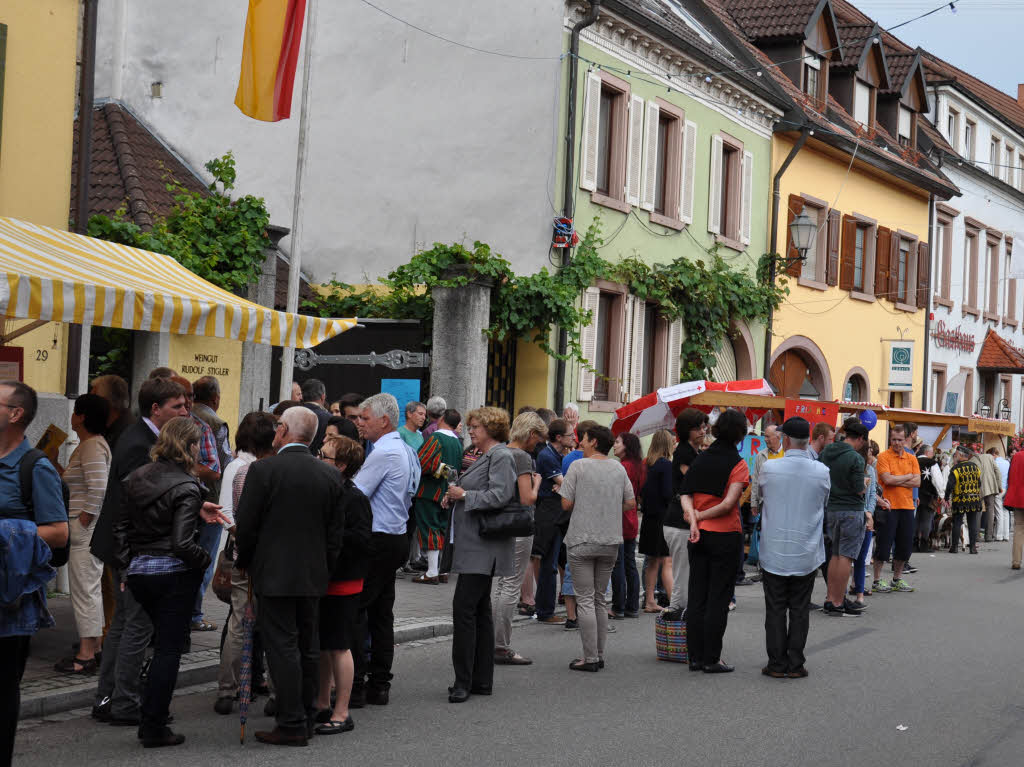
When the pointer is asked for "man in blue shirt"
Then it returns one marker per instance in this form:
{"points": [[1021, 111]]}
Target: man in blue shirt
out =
{"points": [[18, 405], [547, 537], [389, 477]]}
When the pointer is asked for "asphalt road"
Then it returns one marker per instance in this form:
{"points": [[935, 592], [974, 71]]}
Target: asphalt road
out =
{"points": [[943, 663]]}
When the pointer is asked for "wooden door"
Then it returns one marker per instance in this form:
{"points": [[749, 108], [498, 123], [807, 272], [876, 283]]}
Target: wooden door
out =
{"points": [[788, 374]]}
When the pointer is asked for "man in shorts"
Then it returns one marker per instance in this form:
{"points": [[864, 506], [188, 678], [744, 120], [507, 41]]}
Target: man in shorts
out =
{"points": [[844, 514], [898, 474]]}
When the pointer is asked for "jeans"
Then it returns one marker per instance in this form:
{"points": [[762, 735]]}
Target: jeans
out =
{"points": [[547, 578], [860, 563], [785, 641], [377, 611], [677, 539], [167, 600], [291, 639], [591, 566], [13, 654], [124, 650], [473, 632], [972, 529], [209, 539], [712, 578], [506, 597], [626, 580]]}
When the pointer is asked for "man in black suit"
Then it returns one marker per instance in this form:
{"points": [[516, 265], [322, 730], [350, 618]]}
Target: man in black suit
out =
{"points": [[314, 397], [117, 693], [290, 526]]}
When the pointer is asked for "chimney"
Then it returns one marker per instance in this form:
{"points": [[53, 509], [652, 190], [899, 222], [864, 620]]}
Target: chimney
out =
{"points": [[1020, 94]]}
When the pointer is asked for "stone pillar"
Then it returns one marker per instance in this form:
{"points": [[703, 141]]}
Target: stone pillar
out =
{"points": [[458, 356], [149, 350], [256, 358]]}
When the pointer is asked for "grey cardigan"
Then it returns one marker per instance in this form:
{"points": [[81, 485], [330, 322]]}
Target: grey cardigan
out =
{"points": [[489, 483]]}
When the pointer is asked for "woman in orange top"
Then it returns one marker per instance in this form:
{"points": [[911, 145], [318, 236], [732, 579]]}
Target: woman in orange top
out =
{"points": [[710, 499]]}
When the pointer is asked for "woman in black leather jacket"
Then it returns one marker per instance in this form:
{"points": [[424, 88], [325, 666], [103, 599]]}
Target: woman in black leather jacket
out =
{"points": [[158, 545]]}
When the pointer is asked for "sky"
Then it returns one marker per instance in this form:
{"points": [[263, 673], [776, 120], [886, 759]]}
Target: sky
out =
{"points": [[983, 37]]}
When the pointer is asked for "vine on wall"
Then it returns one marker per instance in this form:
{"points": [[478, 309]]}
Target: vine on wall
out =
{"points": [[705, 293]]}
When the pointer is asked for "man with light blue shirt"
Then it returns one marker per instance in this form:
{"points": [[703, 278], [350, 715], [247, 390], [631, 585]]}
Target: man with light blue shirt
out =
{"points": [[389, 478], [793, 490]]}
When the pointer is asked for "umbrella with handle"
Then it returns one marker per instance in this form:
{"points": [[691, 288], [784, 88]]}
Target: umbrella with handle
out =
{"points": [[245, 672], [658, 410]]}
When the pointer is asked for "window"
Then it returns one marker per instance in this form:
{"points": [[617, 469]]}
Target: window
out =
{"points": [[605, 141], [665, 124], [970, 275], [814, 267], [1020, 172], [942, 263], [993, 157], [664, 147], [992, 273], [1007, 172], [952, 123], [1010, 296], [812, 75], [863, 103], [938, 390], [602, 362], [970, 129], [859, 257], [647, 357], [730, 190], [855, 390], [903, 272], [906, 127], [729, 174], [605, 127]]}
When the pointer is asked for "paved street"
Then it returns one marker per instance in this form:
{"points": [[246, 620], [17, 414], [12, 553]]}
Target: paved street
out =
{"points": [[941, 662]]}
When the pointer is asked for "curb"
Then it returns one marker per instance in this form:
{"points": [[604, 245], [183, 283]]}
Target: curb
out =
{"points": [[39, 705]]}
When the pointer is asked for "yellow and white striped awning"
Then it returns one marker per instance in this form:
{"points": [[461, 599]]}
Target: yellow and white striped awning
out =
{"points": [[63, 277]]}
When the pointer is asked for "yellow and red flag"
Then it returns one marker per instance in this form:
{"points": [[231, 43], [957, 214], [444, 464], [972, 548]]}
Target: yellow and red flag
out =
{"points": [[273, 35]]}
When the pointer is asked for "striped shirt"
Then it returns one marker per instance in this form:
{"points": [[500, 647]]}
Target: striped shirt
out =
{"points": [[86, 476]]}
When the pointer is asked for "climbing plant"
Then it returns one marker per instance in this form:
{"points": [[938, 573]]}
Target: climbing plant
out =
{"points": [[705, 293]]}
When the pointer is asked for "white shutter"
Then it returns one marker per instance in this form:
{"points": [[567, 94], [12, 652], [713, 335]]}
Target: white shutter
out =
{"points": [[686, 174], [591, 124], [636, 377], [650, 176], [634, 160], [715, 187], [588, 340], [627, 345], [672, 354], [746, 198]]}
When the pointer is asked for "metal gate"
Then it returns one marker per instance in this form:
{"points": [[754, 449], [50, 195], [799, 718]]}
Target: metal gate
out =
{"points": [[501, 374]]}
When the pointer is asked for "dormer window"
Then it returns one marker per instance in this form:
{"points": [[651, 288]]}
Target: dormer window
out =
{"points": [[906, 127], [813, 77], [864, 104]]}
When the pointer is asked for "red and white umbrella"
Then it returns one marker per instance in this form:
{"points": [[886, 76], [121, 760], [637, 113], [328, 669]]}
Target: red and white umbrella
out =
{"points": [[658, 410]]}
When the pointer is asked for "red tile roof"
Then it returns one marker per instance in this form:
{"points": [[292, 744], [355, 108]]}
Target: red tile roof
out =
{"points": [[770, 19], [1001, 103], [853, 37], [999, 356]]}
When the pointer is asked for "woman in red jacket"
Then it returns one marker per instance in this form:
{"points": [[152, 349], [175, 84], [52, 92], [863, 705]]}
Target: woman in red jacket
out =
{"points": [[625, 578], [1014, 501]]}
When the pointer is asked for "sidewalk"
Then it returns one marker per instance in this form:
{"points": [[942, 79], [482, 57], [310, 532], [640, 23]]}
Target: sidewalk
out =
{"points": [[421, 612]]}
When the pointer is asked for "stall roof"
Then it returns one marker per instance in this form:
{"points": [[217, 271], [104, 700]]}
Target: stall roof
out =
{"points": [[52, 275]]}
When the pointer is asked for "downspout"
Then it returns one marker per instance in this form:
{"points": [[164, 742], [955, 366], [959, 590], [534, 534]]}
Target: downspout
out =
{"points": [[568, 187], [776, 199], [928, 300]]}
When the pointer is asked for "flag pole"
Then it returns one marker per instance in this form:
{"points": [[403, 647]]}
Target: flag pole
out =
{"points": [[295, 252]]}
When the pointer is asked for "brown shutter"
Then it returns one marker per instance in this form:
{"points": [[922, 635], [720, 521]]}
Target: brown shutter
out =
{"points": [[796, 206], [924, 263], [882, 262], [894, 268], [832, 266], [847, 253]]}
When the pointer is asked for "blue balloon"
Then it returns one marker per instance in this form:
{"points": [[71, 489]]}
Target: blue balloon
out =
{"points": [[868, 418]]}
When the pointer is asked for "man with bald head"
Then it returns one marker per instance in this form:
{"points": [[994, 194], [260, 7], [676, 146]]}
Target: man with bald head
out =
{"points": [[772, 449], [289, 532]]}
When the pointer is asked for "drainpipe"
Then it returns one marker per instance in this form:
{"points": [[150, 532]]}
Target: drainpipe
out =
{"points": [[928, 300], [776, 198], [568, 190], [86, 92]]}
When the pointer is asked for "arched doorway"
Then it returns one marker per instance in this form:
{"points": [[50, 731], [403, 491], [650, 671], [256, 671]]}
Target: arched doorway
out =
{"points": [[734, 358], [799, 370], [856, 387]]}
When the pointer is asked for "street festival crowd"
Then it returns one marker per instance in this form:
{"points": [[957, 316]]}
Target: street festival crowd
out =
{"points": [[326, 504]]}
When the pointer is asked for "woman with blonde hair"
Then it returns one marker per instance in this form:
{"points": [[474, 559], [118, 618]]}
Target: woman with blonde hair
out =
{"points": [[157, 543], [488, 485], [656, 495], [528, 431]]}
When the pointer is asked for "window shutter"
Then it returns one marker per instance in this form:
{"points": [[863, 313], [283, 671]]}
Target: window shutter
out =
{"points": [[894, 268], [796, 206], [591, 123], [746, 199], [627, 346], [675, 344], [636, 375], [647, 150], [588, 341], [715, 187], [832, 265], [686, 175], [848, 251], [882, 262], [924, 262], [635, 165]]}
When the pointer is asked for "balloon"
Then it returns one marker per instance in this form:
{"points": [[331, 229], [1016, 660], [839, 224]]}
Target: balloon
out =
{"points": [[868, 418]]}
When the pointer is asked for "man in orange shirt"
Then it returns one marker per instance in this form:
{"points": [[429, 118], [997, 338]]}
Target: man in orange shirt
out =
{"points": [[898, 474]]}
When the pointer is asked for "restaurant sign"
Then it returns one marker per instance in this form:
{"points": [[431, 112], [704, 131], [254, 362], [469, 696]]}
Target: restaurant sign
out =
{"points": [[951, 338]]}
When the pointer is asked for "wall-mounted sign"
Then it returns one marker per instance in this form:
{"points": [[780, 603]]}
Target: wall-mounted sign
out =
{"points": [[899, 364], [952, 338], [812, 411]]}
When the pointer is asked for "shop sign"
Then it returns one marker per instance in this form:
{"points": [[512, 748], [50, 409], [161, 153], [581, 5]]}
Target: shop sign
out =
{"points": [[899, 365], [952, 338]]}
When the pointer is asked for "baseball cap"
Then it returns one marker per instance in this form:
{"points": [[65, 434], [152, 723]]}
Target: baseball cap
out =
{"points": [[797, 428]]}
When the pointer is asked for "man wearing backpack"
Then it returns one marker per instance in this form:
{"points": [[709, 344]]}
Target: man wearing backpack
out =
{"points": [[45, 510]]}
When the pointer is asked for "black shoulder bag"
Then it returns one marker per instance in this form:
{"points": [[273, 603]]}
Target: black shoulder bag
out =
{"points": [[512, 521]]}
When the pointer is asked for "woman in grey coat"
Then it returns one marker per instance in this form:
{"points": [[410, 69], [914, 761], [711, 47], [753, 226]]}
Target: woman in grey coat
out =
{"points": [[488, 484]]}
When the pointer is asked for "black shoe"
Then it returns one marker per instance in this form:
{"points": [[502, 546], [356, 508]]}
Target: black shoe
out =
{"points": [[571, 625], [224, 705], [849, 604], [617, 616], [632, 613], [377, 696], [357, 698], [323, 715], [834, 611], [101, 711], [696, 666], [719, 668], [124, 721], [812, 606], [333, 727], [162, 737], [278, 737], [908, 568], [458, 694], [583, 665], [475, 690]]}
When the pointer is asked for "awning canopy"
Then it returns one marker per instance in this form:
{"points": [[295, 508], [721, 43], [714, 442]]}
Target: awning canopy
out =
{"points": [[997, 355], [58, 276]]}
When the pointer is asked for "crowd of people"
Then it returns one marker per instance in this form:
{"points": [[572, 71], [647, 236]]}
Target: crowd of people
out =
{"points": [[324, 505]]}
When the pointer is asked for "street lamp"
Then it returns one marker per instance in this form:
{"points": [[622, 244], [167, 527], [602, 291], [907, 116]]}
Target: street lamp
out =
{"points": [[803, 232], [1004, 409], [982, 407]]}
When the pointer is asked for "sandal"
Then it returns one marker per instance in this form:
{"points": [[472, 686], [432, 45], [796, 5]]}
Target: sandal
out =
{"points": [[333, 727], [203, 626], [323, 716], [67, 665], [582, 665]]}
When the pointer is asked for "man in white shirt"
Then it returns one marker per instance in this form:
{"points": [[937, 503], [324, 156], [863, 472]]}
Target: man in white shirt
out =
{"points": [[1002, 523], [793, 490]]}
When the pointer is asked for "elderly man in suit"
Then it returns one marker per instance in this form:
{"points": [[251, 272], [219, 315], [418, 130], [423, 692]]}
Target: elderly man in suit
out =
{"points": [[290, 524]]}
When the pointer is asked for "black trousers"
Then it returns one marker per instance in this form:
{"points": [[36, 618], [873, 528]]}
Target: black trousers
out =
{"points": [[13, 654], [787, 594], [473, 632], [377, 611], [290, 628], [712, 578], [973, 518], [168, 600]]}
